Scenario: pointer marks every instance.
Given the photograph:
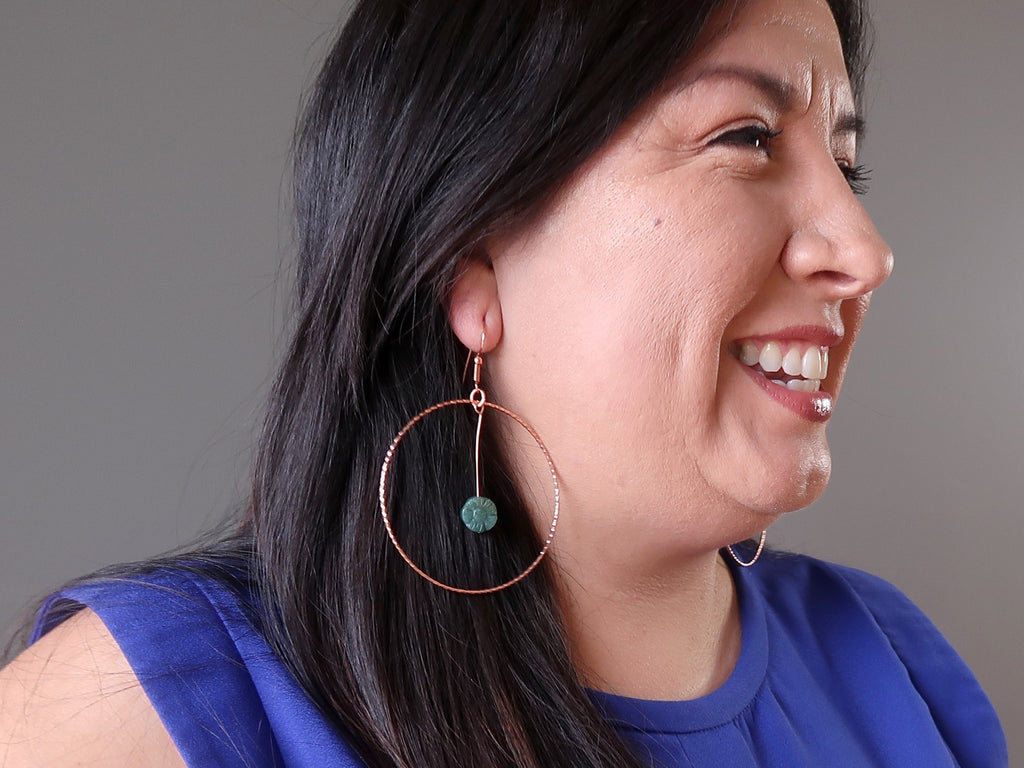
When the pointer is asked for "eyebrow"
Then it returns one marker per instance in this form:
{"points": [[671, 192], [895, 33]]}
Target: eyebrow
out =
{"points": [[782, 94], [849, 122]]}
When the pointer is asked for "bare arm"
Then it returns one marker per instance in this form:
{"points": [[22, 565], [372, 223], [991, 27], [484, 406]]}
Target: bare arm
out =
{"points": [[72, 700]]}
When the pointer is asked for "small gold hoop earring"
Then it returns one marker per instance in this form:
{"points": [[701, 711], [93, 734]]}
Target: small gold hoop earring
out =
{"points": [[479, 513], [751, 561]]}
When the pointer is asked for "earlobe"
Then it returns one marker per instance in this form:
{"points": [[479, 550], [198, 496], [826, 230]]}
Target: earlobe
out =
{"points": [[474, 310]]}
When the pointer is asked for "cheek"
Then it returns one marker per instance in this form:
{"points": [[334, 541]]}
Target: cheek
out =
{"points": [[716, 256], [634, 285]]}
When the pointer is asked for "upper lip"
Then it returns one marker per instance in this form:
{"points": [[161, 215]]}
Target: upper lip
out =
{"points": [[812, 334]]}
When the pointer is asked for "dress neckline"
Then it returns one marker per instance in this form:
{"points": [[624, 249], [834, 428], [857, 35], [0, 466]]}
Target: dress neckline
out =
{"points": [[721, 705]]}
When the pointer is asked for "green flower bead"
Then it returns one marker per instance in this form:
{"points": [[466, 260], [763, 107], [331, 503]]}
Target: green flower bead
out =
{"points": [[479, 514]]}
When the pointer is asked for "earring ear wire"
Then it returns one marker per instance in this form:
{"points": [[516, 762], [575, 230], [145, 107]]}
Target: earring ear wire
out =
{"points": [[469, 355]]}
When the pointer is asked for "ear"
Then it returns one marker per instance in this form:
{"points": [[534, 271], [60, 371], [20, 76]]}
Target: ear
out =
{"points": [[474, 311]]}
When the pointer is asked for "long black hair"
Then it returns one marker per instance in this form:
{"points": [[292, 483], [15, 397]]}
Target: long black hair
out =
{"points": [[432, 124]]}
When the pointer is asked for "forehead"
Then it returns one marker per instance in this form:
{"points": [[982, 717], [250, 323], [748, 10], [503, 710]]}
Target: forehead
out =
{"points": [[808, 20], [795, 40]]}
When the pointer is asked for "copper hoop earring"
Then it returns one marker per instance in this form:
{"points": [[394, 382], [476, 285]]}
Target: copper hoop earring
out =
{"points": [[751, 561], [479, 513]]}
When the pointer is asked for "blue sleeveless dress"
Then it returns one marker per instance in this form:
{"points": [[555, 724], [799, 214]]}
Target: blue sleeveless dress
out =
{"points": [[837, 668]]}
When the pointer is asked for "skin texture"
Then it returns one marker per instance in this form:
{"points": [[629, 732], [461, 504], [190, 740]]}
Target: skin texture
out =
{"points": [[611, 321], [609, 324], [72, 700]]}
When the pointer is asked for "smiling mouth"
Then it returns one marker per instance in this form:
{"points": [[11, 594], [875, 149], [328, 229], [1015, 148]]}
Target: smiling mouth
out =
{"points": [[795, 365]]}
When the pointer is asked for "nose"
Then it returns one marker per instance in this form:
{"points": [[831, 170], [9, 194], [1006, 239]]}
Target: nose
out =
{"points": [[834, 246]]}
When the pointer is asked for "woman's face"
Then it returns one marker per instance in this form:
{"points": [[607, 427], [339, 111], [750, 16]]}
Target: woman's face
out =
{"points": [[645, 314]]}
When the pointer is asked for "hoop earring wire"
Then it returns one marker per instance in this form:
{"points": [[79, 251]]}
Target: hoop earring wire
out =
{"points": [[478, 401], [751, 561]]}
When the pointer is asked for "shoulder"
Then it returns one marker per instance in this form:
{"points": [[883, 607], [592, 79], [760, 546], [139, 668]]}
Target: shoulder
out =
{"points": [[799, 589], [160, 618], [185, 641], [168, 646], [72, 698], [874, 629], [815, 588], [809, 581]]}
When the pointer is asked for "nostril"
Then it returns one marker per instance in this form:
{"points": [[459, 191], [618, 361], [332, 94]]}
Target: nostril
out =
{"points": [[838, 278]]}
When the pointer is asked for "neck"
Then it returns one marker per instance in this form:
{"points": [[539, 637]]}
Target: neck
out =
{"points": [[667, 633]]}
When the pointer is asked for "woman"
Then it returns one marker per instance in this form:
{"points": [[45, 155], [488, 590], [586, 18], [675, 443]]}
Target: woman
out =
{"points": [[639, 219]]}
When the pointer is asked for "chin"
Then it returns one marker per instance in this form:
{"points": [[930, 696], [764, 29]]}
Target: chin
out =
{"points": [[787, 488]]}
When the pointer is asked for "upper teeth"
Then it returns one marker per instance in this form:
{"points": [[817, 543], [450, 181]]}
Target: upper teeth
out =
{"points": [[794, 358]]}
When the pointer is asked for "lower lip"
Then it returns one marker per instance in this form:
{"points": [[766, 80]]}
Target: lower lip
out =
{"points": [[813, 406]]}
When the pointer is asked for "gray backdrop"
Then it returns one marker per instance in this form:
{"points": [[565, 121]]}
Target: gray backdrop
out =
{"points": [[142, 152]]}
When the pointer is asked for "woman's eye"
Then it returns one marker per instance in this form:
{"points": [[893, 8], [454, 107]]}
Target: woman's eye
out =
{"points": [[757, 137], [857, 176]]}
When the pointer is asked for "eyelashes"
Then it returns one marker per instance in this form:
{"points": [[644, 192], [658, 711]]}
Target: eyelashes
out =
{"points": [[857, 176], [760, 138]]}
